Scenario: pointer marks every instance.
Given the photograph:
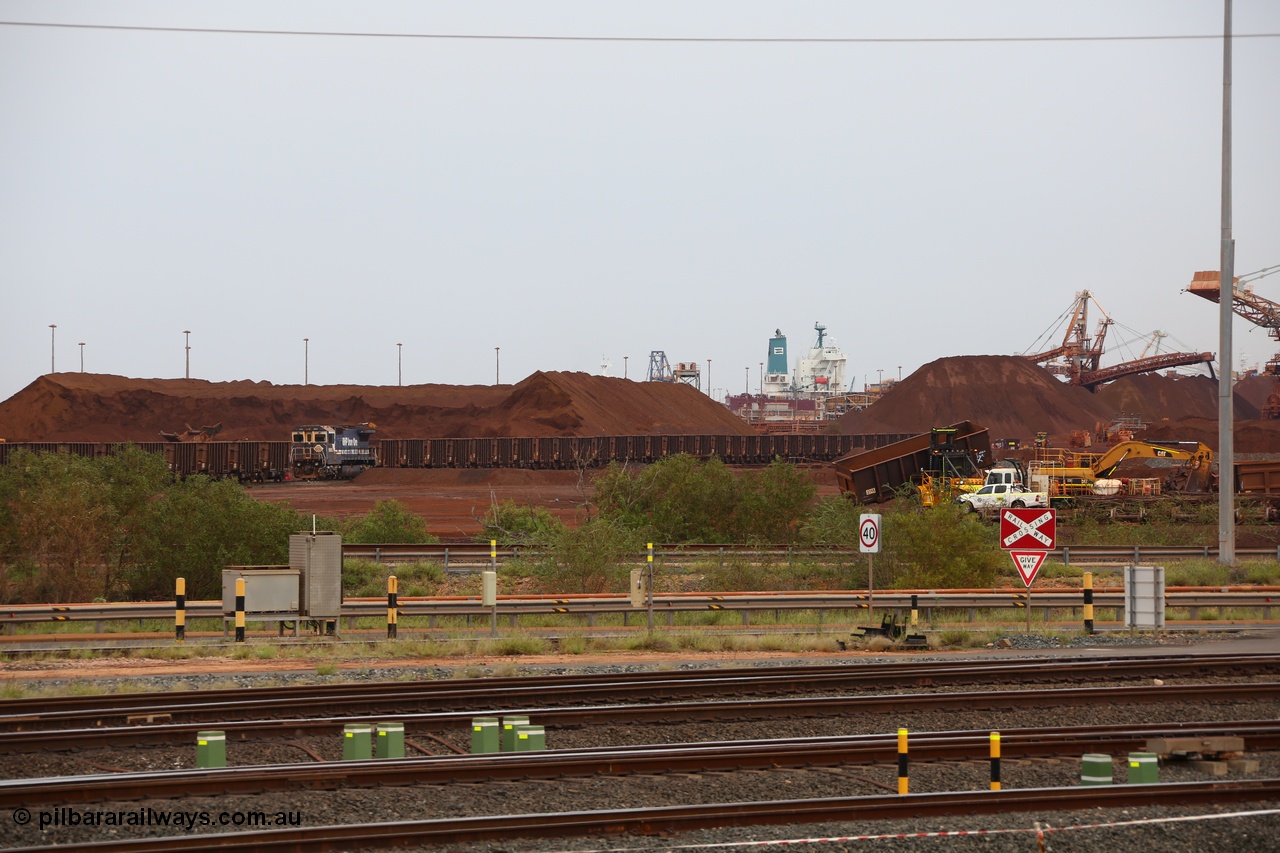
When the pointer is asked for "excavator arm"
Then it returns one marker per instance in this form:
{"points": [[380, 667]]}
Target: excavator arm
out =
{"points": [[1196, 476]]}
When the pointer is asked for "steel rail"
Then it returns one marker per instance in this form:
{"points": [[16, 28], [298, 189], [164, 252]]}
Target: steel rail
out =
{"points": [[685, 711], [439, 695], [676, 819], [478, 552], [731, 756]]}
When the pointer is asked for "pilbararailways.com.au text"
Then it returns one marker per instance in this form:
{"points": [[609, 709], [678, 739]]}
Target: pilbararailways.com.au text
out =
{"points": [[176, 818]]}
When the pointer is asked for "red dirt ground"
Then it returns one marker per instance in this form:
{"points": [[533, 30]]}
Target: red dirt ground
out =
{"points": [[453, 501]]}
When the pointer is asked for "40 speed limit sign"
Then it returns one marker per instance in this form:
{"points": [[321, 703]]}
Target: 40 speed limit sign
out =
{"points": [[869, 533]]}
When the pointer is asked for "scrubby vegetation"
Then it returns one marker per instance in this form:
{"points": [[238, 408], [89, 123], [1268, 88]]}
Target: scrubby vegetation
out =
{"points": [[120, 527]]}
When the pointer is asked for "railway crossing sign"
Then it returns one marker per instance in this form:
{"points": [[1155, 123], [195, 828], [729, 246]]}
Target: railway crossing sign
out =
{"points": [[1028, 563], [869, 533], [1028, 529]]}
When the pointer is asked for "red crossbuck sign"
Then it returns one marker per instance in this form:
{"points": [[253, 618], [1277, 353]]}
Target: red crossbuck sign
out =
{"points": [[1028, 529]]}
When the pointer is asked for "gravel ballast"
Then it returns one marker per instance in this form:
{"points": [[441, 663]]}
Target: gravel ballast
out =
{"points": [[354, 805]]}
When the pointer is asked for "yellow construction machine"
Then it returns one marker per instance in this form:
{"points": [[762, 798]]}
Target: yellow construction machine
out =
{"points": [[1064, 474]]}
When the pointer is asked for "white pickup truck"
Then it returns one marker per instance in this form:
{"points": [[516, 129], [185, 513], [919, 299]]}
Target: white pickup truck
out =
{"points": [[999, 495]]}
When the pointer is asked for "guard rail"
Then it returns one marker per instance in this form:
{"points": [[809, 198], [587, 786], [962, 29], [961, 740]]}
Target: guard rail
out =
{"points": [[743, 603]]}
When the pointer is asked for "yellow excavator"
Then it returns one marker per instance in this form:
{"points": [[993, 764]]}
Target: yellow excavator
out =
{"points": [[1063, 474]]}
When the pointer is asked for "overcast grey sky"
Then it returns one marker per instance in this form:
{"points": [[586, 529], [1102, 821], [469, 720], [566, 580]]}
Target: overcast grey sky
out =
{"points": [[567, 199]]}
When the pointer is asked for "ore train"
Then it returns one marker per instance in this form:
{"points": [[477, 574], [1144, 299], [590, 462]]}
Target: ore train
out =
{"points": [[263, 461]]}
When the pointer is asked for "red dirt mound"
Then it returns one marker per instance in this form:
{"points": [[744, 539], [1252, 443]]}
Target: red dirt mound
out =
{"points": [[1257, 438], [1012, 397], [96, 407]]}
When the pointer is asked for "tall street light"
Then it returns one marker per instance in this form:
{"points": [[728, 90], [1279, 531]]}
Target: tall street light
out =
{"points": [[187, 332], [881, 380], [624, 366], [82, 356], [708, 377], [306, 361], [497, 366], [399, 364], [746, 382], [762, 377], [53, 331]]}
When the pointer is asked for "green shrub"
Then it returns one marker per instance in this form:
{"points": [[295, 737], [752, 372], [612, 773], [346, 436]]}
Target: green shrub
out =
{"points": [[683, 499], [938, 547], [588, 559], [511, 524], [388, 521]]}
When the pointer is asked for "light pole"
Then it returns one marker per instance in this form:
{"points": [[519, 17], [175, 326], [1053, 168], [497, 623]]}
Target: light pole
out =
{"points": [[762, 377], [746, 381], [709, 377], [187, 332], [497, 366], [881, 380], [899, 372], [624, 366], [82, 356], [53, 364], [306, 361], [399, 364]]}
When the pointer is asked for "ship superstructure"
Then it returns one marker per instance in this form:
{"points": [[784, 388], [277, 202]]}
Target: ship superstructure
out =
{"points": [[795, 399]]}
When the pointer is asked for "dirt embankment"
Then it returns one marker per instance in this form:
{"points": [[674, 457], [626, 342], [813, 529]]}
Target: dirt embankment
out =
{"points": [[1014, 398], [94, 407]]}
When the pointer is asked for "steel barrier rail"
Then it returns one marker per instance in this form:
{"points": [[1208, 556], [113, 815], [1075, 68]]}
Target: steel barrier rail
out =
{"points": [[468, 553], [1190, 598]]}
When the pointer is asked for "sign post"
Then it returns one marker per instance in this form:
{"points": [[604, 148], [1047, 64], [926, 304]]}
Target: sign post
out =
{"points": [[869, 544], [1028, 535]]}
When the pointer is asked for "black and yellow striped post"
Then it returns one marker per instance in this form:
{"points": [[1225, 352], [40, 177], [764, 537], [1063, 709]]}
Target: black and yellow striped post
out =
{"points": [[180, 609], [392, 605], [995, 761], [915, 609], [493, 554], [902, 761], [648, 587], [239, 610], [1088, 602]]}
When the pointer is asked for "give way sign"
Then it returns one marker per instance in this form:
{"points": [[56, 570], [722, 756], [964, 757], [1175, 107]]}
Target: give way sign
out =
{"points": [[1028, 563], [1028, 529]]}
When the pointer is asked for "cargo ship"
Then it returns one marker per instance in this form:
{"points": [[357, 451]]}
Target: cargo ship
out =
{"points": [[800, 399]]}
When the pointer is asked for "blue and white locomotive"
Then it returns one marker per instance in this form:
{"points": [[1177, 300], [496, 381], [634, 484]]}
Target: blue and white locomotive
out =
{"points": [[324, 452]]}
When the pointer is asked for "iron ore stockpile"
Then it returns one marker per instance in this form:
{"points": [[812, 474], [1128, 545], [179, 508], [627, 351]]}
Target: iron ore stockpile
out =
{"points": [[94, 408], [610, 730], [1014, 398], [1010, 396]]}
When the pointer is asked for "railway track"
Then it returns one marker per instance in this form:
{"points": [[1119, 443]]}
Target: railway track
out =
{"points": [[51, 713], [677, 819], [642, 713], [758, 768], [732, 756]]}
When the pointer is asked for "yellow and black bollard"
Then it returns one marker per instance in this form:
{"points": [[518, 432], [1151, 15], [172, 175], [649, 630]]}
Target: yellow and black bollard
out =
{"points": [[180, 610], [995, 761], [915, 609], [902, 761], [239, 610], [1088, 602], [392, 605]]}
